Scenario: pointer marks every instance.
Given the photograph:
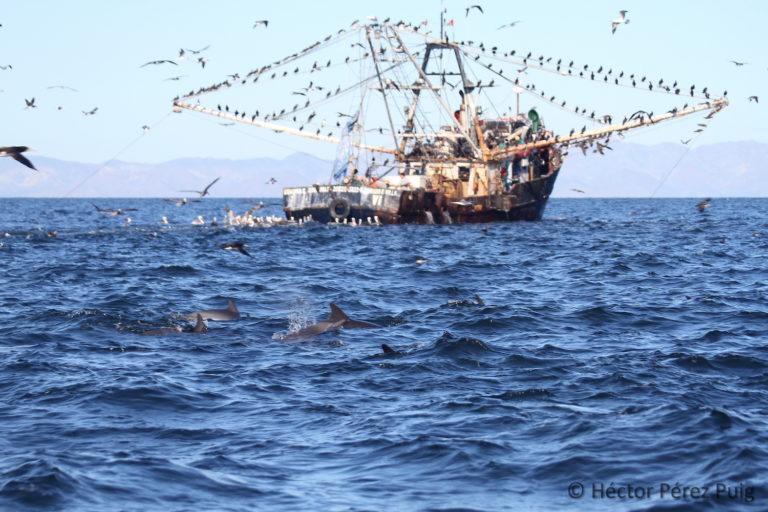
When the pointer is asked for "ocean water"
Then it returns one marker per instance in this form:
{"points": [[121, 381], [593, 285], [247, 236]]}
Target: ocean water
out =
{"points": [[617, 343]]}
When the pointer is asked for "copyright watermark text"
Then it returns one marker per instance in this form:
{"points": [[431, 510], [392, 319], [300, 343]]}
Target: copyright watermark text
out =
{"points": [[666, 491]]}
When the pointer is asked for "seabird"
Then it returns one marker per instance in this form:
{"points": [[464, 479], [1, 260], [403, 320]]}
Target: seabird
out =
{"points": [[158, 62], [65, 87], [468, 9], [260, 22], [236, 246], [510, 25], [114, 211], [15, 152], [203, 192], [621, 20], [30, 103], [195, 52], [703, 205], [754, 98], [90, 112], [739, 64]]}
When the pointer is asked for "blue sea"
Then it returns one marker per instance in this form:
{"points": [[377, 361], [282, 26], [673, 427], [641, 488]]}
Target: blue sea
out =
{"points": [[565, 364]]}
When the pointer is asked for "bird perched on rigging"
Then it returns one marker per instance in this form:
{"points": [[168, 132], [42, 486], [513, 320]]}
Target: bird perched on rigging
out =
{"points": [[15, 152], [205, 191], [469, 9], [621, 20]]}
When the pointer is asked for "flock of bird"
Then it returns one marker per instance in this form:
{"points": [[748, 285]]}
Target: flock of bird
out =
{"points": [[321, 93], [315, 93]]}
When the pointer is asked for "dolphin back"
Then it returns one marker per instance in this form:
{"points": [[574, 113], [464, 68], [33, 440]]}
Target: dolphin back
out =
{"points": [[337, 315], [200, 326]]}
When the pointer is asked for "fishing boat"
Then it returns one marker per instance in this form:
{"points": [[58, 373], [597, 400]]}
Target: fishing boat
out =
{"points": [[439, 156]]}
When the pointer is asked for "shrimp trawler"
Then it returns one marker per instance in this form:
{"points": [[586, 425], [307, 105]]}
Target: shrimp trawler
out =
{"points": [[415, 142]]}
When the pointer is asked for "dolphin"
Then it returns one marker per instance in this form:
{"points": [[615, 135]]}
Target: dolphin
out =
{"points": [[220, 315], [199, 328], [337, 320], [389, 351]]}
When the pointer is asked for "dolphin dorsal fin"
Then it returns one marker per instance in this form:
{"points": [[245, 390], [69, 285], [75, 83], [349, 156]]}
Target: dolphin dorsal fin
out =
{"points": [[231, 306], [337, 315], [200, 326], [387, 349]]}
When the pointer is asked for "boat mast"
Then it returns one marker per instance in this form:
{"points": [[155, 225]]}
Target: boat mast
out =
{"points": [[381, 85], [431, 87]]}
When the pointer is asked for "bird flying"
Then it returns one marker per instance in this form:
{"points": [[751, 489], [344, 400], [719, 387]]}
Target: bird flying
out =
{"points": [[114, 211], [30, 103], [738, 64], [203, 192], [64, 87], [469, 9], [195, 52], [158, 62], [755, 99], [15, 152], [261, 22], [510, 25], [236, 246], [90, 112], [621, 20]]}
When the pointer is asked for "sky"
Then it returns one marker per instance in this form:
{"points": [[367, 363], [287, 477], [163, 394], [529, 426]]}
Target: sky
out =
{"points": [[97, 47]]}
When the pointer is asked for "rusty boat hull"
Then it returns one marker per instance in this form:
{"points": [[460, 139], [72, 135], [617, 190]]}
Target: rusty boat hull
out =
{"points": [[526, 201]]}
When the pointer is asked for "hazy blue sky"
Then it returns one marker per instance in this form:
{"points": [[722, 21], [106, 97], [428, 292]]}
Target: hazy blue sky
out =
{"points": [[97, 47]]}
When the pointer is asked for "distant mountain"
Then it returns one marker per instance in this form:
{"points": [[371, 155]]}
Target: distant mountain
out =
{"points": [[239, 178], [736, 169]]}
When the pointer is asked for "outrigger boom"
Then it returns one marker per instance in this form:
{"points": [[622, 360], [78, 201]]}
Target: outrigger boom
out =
{"points": [[589, 135], [178, 104]]}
